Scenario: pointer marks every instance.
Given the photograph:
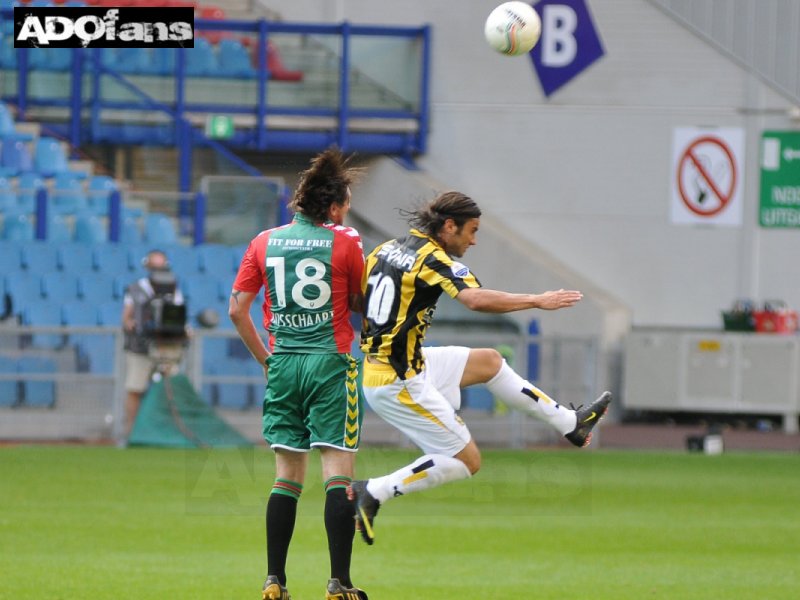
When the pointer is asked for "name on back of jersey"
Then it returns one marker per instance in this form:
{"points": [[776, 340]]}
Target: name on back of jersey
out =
{"points": [[397, 257], [300, 320]]}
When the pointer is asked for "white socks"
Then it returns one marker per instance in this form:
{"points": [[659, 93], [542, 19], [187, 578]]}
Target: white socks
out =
{"points": [[523, 395], [426, 472]]}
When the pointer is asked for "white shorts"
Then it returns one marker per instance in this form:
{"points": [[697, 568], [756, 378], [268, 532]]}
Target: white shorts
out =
{"points": [[423, 407], [138, 371]]}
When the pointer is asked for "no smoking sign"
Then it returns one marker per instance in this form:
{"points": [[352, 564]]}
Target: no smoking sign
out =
{"points": [[707, 168]]}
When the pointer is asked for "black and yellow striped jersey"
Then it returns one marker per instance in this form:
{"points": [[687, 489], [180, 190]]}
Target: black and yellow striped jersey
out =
{"points": [[402, 281]]}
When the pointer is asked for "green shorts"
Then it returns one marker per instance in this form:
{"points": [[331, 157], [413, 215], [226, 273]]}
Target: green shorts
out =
{"points": [[312, 400]]}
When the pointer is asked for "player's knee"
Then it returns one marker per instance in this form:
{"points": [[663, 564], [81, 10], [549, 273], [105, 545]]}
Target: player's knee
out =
{"points": [[483, 364], [474, 465], [472, 460], [492, 361]]}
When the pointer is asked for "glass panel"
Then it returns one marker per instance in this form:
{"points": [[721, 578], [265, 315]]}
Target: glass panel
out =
{"points": [[238, 208], [385, 72], [315, 58]]}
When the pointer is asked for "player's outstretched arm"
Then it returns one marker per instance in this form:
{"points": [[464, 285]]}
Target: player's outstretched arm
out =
{"points": [[496, 301]]}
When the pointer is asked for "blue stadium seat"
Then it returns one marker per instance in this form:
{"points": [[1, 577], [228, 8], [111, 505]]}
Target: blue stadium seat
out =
{"points": [[201, 292], [58, 228], [44, 313], [106, 56], [234, 60], [7, 128], [75, 257], [9, 389], [136, 61], [60, 285], [100, 187], [67, 195], [164, 61], [159, 230], [112, 258], [96, 288], [256, 389], [109, 314], [89, 229], [39, 59], [257, 311], [100, 348], [15, 157], [215, 352], [18, 227], [23, 288], [36, 58], [79, 313], [129, 231], [98, 351], [39, 257], [201, 60], [8, 54], [216, 259], [37, 393], [233, 395], [238, 253], [49, 157], [477, 397], [182, 259], [28, 186], [10, 257], [2, 297], [136, 254], [224, 320], [8, 197]]}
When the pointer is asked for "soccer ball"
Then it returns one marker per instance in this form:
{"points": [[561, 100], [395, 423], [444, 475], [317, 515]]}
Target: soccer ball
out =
{"points": [[513, 28]]}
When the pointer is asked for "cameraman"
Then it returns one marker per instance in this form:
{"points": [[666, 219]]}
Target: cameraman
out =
{"points": [[140, 360]]}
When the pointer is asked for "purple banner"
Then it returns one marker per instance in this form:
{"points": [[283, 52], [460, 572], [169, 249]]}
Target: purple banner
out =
{"points": [[569, 44]]}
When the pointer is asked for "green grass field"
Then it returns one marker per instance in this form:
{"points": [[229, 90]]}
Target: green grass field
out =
{"points": [[87, 523]]}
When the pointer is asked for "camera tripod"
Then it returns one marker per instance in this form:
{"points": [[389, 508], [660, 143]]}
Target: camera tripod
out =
{"points": [[167, 357]]}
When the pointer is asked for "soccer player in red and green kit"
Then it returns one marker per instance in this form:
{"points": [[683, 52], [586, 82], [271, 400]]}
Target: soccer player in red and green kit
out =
{"points": [[311, 270]]}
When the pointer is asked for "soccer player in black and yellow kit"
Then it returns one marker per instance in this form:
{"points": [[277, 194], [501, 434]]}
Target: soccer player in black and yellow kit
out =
{"points": [[417, 389]]}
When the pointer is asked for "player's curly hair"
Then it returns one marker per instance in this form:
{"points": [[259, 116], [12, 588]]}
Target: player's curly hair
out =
{"points": [[429, 218], [325, 182]]}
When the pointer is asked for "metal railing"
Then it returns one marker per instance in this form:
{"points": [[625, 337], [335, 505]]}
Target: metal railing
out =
{"points": [[81, 402], [171, 108]]}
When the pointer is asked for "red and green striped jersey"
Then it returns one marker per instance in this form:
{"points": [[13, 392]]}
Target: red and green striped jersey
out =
{"points": [[309, 272]]}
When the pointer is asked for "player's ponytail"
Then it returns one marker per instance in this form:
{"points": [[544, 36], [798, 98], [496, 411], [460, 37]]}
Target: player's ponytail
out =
{"points": [[325, 182]]}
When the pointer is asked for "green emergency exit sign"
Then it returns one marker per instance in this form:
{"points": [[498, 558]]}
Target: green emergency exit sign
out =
{"points": [[780, 179], [219, 127]]}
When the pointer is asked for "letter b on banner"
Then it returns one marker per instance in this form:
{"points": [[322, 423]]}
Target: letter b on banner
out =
{"points": [[570, 43], [559, 46]]}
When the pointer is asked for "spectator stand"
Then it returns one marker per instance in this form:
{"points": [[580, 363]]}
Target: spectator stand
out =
{"points": [[280, 86]]}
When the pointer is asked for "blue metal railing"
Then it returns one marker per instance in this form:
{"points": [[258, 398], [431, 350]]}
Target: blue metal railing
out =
{"points": [[91, 128]]}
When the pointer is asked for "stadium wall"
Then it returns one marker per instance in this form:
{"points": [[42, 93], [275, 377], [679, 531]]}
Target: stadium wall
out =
{"points": [[587, 173]]}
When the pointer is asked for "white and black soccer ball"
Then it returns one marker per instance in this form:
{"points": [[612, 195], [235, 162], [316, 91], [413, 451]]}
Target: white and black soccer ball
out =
{"points": [[513, 28]]}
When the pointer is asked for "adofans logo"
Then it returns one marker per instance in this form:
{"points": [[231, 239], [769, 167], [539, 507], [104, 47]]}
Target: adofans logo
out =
{"points": [[56, 27]]}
